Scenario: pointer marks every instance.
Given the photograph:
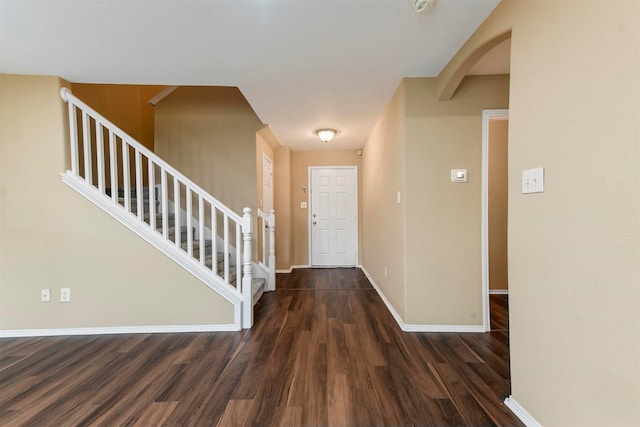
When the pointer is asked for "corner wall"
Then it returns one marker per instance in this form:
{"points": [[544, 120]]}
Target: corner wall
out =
{"points": [[283, 207], [209, 134], [574, 250], [443, 226], [383, 220], [51, 237], [126, 106]]}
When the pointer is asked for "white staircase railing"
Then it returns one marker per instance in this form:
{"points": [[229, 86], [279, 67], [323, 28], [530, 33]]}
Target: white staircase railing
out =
{"points": [[267, 260], [125, 178]]}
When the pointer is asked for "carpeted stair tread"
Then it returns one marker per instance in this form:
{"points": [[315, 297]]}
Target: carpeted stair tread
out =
{"points": [[170, 217], [257, 284], [257, 289]]}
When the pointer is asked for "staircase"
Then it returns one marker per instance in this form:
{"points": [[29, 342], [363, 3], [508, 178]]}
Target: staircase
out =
{"points": [[172, 213], [258, 284]]}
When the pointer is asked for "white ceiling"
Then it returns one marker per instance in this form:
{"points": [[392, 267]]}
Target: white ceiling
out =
{"points": [[301, 64]]}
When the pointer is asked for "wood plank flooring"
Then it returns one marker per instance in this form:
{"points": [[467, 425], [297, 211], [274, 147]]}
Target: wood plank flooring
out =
{"points": [[324, 352]]}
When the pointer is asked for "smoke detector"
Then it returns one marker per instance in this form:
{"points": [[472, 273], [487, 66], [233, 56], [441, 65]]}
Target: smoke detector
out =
{"points": [[423, 5]]}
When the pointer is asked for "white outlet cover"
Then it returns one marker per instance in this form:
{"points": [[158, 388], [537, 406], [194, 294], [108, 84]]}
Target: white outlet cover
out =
{"points": [[65, 295], [533, 180]]}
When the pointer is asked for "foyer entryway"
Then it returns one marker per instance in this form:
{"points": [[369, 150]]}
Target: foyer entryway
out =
{"points": [[333, 222]]}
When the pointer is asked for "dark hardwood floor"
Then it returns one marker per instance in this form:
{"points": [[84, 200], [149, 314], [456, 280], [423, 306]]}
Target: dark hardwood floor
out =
{"points": [[324, 352], [499, 309]]}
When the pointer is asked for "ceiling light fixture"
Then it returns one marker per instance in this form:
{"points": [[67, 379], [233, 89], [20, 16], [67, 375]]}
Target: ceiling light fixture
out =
{"points": [[326, 134], [423, 5]]}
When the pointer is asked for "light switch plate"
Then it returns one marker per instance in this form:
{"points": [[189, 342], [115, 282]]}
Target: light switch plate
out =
{"points": [[458, 175], [533, 180], [303, 205]]}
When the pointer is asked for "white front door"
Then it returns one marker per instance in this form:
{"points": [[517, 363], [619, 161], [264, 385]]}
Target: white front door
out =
{"points": [[333, 216]]}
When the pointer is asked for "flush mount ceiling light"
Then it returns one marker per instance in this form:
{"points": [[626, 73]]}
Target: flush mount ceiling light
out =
{"points": [[423, 5], [326, 134]]}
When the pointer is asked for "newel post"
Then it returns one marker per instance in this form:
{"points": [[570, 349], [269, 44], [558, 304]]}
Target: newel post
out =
{"points": [[247, 292], [73, 129], [272, 250]]}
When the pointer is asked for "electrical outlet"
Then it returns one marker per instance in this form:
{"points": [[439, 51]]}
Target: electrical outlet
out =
{"points": [[45, 295], [65, 295], [533, 181]]}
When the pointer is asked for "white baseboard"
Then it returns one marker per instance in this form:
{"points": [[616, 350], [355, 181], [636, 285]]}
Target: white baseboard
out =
{"points": [[444, 328], [19, 333], [392, 310], [419, 328], [290, 269], [498, 291], [521, 413]]}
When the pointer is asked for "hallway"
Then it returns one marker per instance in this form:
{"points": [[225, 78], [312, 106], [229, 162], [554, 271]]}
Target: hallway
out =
{"points": [[324, 352]]}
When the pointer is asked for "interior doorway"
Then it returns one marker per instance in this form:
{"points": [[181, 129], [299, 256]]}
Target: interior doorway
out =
{"points": [[333, 216], [495, 124]]}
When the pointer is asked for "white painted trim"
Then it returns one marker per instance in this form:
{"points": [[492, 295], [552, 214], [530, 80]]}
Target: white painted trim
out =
{"points": [[262, 208], [291, 268], [498, 291], [419, 328], [392, 310], [445, 328], [486, 116], [521, 413], [310, 207], [164, 329], [162, 95]]}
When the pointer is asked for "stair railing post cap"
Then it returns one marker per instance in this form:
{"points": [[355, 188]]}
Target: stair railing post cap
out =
{"points": [[247, 211]]}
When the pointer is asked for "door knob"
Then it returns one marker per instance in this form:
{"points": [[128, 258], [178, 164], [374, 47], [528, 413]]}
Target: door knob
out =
{"points": [[314, 223]]}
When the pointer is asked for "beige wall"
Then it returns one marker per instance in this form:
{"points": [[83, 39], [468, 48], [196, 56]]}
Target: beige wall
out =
{"points": [[124, 105], [300, 162], [209, 134], [383, 220], [574, 250], [443, 242], [498, 203], [51, 237], [282, 204]]}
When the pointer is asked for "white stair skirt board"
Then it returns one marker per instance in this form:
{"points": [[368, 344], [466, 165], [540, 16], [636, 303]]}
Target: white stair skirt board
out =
{"points": [[521, 413], [498, 291], [166, 329], [420, 328]]}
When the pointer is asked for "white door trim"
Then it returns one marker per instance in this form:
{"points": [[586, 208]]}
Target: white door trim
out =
{"points": [[487, 115], [266, 210], [309, 218]]}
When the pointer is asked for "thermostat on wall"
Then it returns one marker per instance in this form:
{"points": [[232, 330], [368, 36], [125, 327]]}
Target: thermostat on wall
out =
{"points": [[458, 175]]}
